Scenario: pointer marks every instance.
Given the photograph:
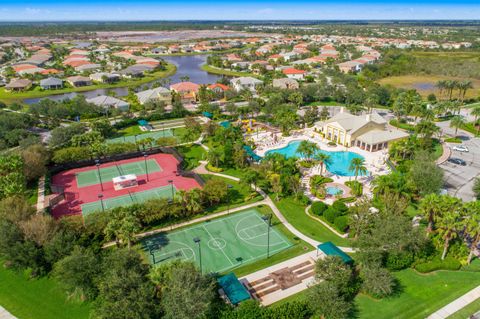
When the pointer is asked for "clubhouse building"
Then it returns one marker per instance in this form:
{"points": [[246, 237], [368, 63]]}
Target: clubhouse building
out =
{"points": [[368, 132]]}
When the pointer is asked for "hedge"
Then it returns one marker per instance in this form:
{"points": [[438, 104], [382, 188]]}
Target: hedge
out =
{"points": [[448, 263], [318, 208], [341, 223]]}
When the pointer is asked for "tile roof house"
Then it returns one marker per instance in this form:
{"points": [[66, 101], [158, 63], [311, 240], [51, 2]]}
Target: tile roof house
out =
{"points": [[159, 94], [78, 81], [285, 83], [51, 83], [187, 90], [368, 131], [293, 73], [218, 87], [108, 102]]}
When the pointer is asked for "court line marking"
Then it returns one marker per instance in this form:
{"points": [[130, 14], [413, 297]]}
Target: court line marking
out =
{"points": [[237, 231], [205, 228], [275, 231]]}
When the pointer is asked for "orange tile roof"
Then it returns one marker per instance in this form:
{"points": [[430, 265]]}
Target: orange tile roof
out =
{"points": [[219, 85], [185, 87], [293, 71]]}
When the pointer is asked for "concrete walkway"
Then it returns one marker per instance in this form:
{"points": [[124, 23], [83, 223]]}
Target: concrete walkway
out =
{"points": [[456, 305], [41, 195], [4, 314], [447, 151]]}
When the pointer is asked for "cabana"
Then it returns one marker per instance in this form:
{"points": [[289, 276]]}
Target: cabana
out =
{"points": [[329, 249], [233, 289]]}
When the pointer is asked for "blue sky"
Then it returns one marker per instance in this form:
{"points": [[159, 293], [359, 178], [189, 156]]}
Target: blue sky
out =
{"points": [[65, 10]]}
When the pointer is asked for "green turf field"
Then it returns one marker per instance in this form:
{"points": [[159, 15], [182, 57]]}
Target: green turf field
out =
{"points": [[90, 177], [129, 199], [134, 138], [225, 243]]}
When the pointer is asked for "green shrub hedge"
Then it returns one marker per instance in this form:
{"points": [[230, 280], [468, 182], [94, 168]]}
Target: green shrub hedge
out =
{"points": [[448, 263], [318, 208], [341, 223]]}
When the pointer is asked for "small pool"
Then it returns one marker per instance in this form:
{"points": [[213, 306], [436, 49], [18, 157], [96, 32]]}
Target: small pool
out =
{"points": [[339, 161], [333, 190]]}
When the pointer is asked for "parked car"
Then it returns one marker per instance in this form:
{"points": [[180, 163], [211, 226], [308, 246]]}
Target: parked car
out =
{"points": [[460, 148], [457, 161]]}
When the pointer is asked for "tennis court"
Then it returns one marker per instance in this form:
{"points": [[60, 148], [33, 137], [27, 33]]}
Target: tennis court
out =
{"points": [[90, 177], [134, 138], [129, 199], [225, 243]]}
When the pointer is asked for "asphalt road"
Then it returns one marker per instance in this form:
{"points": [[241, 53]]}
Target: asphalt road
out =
{"points": [[459, 179]]}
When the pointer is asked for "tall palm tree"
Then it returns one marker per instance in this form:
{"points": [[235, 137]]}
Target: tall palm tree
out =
{"points": [[429, 206], [476, 113], [463, 87], [357, 165], [441, 86], [322, 159], [457, 122], [472, 226], [448, 226]]}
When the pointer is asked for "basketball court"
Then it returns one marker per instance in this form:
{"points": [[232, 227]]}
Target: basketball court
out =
{"points": [[224, 243]]}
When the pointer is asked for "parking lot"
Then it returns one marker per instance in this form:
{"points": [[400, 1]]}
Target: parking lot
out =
{"points": [[459, 179]]}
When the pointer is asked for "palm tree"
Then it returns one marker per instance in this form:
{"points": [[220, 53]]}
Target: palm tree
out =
{"points": [[476, 112], [457, 122], [463, 87], [189, 201], [307, 149], [441, 86], [357, 164], [427, 129], [322, 159], [448, 226], [472, 226]]}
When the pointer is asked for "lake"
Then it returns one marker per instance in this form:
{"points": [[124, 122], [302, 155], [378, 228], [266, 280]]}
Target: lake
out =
{"points": [[187, 65]]}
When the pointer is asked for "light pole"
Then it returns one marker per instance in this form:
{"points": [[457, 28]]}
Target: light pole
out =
{"points": [[100, 196], [268, 219], [145, 160], [171, 186], [196, 240], [97, 164], [229, 187]]}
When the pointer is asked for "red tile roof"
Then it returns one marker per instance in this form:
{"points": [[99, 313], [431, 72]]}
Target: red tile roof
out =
{"points": [[293, 71], [185, 87], [219, 85]]}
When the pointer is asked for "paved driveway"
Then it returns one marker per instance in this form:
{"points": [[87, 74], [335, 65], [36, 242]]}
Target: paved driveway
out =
{"points": [[459, 179]]}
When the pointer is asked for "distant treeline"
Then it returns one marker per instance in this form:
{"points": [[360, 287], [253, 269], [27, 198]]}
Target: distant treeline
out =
{"points": [[65, 28]]}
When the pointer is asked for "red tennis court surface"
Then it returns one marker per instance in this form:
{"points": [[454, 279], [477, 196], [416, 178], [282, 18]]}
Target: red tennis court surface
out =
{"points": [[75, 196]]}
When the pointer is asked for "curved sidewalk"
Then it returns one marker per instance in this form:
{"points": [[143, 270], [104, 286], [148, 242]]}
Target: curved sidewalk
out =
{"points": [[4, 314], [456, 305]]}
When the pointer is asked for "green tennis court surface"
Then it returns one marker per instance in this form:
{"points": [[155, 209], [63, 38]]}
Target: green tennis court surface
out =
{"points": [[90, 177], [225, 243], [134, 138], [129, 199]]}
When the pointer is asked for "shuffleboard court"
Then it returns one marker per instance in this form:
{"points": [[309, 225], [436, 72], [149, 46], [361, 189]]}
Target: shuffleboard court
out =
{"points": [[134, 138], [225, 243], [129, 199], [90, 177]]}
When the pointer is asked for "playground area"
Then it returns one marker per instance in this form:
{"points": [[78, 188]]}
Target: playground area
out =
{"points": [[92, 188], [218, 245]]}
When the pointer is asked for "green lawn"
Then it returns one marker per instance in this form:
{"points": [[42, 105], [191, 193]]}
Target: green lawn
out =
{"points": [[37, 298], [192, 155], [9, 97], [214, 70], [295, 214], [420, 294], [239, 194], [469, 310]]}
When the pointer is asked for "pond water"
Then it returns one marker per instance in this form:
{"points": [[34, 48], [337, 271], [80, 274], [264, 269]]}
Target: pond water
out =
{"points": [[424, 86], [186, 66], [338, 164]]}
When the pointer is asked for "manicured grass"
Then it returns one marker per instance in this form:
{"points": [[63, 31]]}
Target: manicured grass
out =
{"points": [[466, 312], [9, 97], [214, 70], [37, 298], [295, 214], [232, 172], [192, 155], [329, 103], [239, 194], [404, 126], [420, 295], [131, 130], [453, 140]]}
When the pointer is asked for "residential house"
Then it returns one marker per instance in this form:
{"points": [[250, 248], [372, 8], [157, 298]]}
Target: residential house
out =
{"points": [[109, 102], [350, 66], [296, 74], [136, 71], [103, 77], [245, 83], [285, 83], [368, 131], [17, 85], [51, 83], [159, 94], [188, 91], [78, 81]]}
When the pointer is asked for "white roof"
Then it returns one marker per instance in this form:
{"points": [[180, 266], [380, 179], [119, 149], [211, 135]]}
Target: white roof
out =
{"points": [[107, 101], [351, 123], [377, 136], [123, 178], [145, 96]]}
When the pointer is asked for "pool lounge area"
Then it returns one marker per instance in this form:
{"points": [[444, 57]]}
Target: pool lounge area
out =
{"points": [[338, 164]]}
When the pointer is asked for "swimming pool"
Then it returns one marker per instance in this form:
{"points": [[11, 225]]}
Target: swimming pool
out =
{"points": [[338, 164], [333, 190]]}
